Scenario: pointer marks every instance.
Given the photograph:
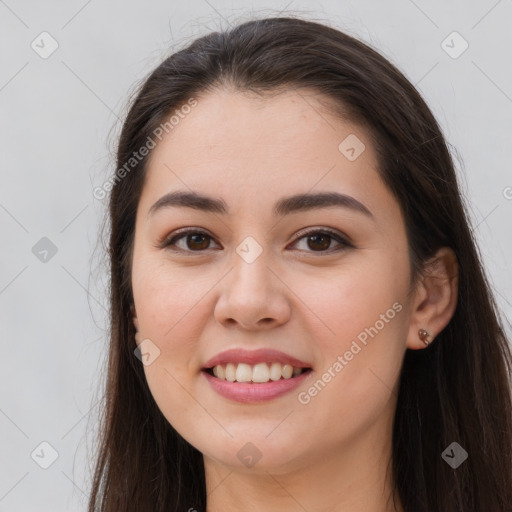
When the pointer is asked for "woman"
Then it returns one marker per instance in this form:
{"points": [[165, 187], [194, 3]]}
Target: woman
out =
{"points": [[299, 316]]}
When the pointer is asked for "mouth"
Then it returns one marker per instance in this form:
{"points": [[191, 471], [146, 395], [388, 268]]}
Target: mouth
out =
{"points": [[259, 373], [252, 376], [258, 383]]}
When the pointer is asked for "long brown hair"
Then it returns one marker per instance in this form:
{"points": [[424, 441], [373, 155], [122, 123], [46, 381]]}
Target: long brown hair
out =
{"points": [[456, 390]]}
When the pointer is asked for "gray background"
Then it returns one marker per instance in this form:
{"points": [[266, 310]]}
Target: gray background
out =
{"points": [[60, 117]]}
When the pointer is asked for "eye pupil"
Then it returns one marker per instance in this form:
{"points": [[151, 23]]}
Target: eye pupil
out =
{"points": [[204, 237], [320, 236]]}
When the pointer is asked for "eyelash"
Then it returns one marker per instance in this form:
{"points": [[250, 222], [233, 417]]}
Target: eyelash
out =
{"points": [[169, 241]]}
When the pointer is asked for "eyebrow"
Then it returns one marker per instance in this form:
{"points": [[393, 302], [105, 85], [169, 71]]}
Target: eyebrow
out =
{"points": [[284, 206]]}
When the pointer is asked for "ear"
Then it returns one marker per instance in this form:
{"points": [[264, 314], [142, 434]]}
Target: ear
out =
{"points": [[435, 298]]}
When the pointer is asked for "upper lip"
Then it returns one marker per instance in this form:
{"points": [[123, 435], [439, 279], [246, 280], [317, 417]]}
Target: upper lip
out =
{"points": [[262, 355]]}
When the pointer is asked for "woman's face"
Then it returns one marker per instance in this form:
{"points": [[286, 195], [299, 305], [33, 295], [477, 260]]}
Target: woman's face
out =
{"points": [[250, 278]]}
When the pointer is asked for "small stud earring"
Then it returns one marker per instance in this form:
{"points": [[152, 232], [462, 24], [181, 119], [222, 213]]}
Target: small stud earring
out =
{"points": [[423, 336]]}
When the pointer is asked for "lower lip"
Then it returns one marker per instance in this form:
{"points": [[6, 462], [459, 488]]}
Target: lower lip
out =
{"points": [[251, 393]]}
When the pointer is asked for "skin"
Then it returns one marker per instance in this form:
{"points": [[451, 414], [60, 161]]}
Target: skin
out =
{"points": [[333, 453]]}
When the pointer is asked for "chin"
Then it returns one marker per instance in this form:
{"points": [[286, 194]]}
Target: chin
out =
{"points": [[255, 454]]}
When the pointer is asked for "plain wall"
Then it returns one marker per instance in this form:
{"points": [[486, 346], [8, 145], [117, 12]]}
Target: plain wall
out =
{"points": [[59, 122]]}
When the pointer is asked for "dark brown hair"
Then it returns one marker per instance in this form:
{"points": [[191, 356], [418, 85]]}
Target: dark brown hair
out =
{"points": [[456, 390]]}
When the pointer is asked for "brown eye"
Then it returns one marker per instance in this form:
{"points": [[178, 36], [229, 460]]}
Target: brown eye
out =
{"points": [[195, 241], [320, 241]]}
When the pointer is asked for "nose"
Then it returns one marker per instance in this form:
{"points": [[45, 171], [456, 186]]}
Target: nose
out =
{"points": [[252, 296]]}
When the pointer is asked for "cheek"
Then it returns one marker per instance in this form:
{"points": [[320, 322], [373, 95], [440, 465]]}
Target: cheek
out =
{"points": [[165, 300], [351, 300], [361, 337], [171, 310]]}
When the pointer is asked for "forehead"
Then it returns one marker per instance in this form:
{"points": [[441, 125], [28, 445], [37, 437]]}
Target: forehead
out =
{"points": [[250, 149], [293, 124]]}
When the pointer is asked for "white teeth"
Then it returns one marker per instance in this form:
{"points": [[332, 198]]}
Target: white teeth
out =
{"points": [[275, 371], [243, 373], [221, 374], [287, 371], [260, 372], [230, 372]]}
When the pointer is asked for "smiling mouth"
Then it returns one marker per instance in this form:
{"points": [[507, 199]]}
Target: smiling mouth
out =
{"points": [[259, 373]]}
